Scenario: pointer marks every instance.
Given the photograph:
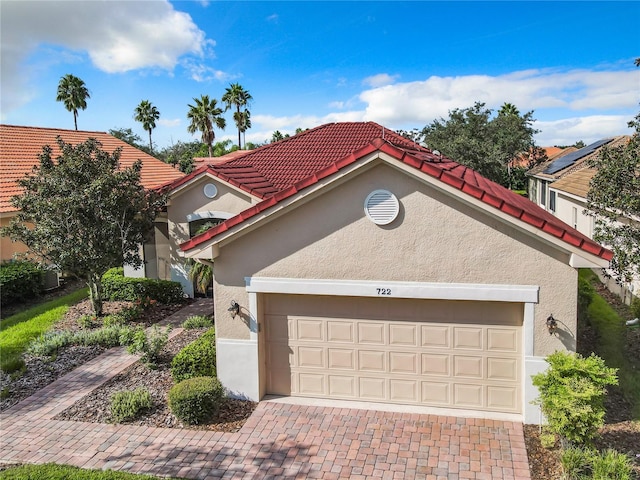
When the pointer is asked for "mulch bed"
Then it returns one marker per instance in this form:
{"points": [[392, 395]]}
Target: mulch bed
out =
{"points": [[95, 407]]}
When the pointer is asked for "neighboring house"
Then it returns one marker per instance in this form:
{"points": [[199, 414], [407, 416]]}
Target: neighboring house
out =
{"points": [[20, 148], [561, 185], [364, 267]]}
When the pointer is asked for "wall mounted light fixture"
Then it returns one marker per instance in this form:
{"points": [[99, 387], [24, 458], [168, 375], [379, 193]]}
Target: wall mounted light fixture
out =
{"points": [[552, 324], [234, 308]]}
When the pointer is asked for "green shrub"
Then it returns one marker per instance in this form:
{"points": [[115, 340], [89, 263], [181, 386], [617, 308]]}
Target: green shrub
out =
{"points": [[576, 463], [114, 320], [572, 393], [12, 364], [635, 308], [611, 465], [109, 336], [585, 296], [198, 359], [587, 464], [130, 314], [20, 280], [116, 286], [149, 344], [197, 321], [196, 400], [126, 404], [87, 321]]}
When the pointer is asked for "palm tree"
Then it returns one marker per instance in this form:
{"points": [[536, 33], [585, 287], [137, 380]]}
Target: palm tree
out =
{"points": [[204, 115], [243, 121], [147, 114], [238, 96], [73, 93], [509, 109]]}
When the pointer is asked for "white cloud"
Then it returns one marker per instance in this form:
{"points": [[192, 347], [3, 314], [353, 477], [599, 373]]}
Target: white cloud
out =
{"points": [[116, 36], [380, 80], [170, 122], [203, 73], [421, 102], [588, 129], [273, 18]]}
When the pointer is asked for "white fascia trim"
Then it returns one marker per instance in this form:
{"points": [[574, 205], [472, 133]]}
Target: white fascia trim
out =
{"points": [[208, 214], [578, 261], [386, 289]]}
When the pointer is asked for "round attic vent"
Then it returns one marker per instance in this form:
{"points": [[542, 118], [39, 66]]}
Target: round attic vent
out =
{"points": [[381, 207], [210, 190]]}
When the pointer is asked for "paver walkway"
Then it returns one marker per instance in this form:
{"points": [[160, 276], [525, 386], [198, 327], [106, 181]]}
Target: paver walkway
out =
{"points": [[278, 441]]}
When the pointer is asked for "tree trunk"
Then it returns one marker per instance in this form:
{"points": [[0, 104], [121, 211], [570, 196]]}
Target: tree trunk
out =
{"points": [[75, 118], [150, 144], [95, 293]]}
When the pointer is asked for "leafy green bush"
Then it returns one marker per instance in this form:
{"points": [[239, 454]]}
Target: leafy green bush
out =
{"points": [[20, 280], [575, 463], [198, 359], [126, 404], [635, 307], [196, 400], [111, 336], [116, 286], [572, 393], [87, 321], [611, 465], [587, 464], [585, 296], [197, 321], [113, 320], [149, 344]]}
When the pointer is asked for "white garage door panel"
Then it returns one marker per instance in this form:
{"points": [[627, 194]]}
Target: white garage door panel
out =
{"points": [[417, 362]]}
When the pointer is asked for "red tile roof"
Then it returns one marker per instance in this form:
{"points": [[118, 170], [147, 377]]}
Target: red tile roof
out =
{"points": [[20, 147], [199, 161], [280, 170]]}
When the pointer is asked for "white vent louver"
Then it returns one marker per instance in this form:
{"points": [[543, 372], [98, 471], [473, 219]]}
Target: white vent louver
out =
{"points": [[381, 207]]}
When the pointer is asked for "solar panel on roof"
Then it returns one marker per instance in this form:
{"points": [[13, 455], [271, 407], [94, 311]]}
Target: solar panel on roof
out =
{"points": [[571, 158]]}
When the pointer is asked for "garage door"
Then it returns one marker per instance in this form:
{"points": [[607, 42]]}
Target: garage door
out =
{"points": [[454, 354]]}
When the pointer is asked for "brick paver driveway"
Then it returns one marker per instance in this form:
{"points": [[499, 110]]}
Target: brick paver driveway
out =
{"points": [[278, 441]]}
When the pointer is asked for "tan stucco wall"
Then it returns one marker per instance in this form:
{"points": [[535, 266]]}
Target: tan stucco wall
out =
{"points": [[434, 239], [193, 200], [8, 248]]}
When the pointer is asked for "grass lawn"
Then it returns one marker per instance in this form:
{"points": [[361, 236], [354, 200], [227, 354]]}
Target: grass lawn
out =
{"points": [[18, 330], [51, 471], [612, 345]]}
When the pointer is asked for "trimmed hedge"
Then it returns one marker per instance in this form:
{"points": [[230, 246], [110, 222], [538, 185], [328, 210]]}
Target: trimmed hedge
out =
{"points": [[20, 280], [196, 400], [198, 359], [115, 286]]}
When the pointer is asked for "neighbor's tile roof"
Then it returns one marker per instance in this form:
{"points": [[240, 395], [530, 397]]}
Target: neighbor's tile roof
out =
{"points": [[578, 164], [576, 183], [282, 169], [21, 146]]}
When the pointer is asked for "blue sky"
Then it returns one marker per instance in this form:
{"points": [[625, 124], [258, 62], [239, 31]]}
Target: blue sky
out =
{"points": [[402, 64]]}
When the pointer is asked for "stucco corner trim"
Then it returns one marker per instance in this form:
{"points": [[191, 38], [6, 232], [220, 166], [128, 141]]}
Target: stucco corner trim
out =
{"points": [[387, 289]]}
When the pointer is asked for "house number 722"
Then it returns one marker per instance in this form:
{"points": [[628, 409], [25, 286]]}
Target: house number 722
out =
{"points": [[383, 291]]}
